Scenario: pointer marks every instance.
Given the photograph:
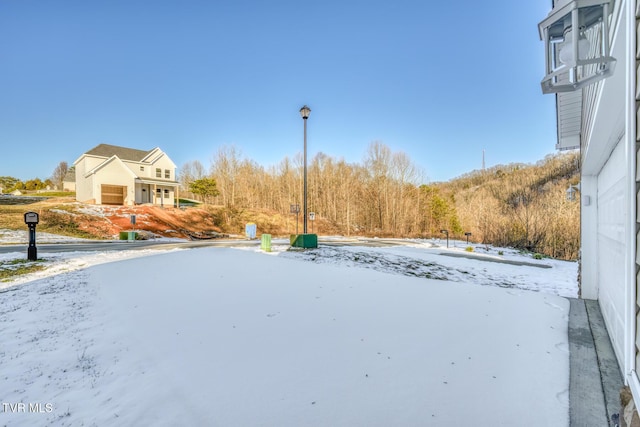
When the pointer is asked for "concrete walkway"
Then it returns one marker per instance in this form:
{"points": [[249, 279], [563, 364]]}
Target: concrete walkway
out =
{"points": [[595, 379]]}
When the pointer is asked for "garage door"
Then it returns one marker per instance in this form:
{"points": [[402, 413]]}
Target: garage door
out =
{"points": [[113, 194], [612, 213]]}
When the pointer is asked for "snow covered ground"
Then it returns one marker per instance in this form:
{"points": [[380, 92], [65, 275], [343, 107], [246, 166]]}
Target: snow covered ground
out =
{"points": [[22, 236], [340, 336]]}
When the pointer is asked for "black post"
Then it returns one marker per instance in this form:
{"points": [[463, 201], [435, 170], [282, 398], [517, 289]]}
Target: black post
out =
{"points": [[446, 232], [304, 228], [32, 219], [32, 250]]}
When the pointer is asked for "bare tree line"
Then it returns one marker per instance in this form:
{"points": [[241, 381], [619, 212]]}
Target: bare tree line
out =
{"points": [[517, 205]]}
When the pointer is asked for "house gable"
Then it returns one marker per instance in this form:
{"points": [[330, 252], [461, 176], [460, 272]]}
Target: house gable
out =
{"points": [[112, 166]]}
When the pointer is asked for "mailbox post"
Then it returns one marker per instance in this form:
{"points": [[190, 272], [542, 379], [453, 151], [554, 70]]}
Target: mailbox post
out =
{"points": [[446, 232], [467, 234], [31, 219]]}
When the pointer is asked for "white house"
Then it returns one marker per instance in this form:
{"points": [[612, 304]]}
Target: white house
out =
{"points": [[594, 76], [112, 175]]}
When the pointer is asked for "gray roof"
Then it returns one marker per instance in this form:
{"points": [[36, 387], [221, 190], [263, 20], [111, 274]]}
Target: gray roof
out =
{"points": [[124, 153]]}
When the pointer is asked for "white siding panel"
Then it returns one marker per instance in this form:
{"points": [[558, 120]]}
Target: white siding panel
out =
{"points": [[612, 214], [83, 184]]}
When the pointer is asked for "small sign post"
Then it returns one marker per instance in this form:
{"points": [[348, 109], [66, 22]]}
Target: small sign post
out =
{"points": [[32, 219]]}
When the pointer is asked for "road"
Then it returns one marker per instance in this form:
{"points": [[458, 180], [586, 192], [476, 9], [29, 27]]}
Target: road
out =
{"points": [[121, 245], [117, 245]]}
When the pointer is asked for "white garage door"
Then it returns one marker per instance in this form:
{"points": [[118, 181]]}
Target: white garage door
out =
{"points": [[612, 214]]}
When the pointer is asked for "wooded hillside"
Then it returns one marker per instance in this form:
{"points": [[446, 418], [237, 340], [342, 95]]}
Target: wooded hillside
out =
{"points": [[517, 205]]}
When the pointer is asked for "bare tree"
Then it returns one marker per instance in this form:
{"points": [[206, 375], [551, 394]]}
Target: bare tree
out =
{"points": [[57, 177], [190, 172], [513, 205], [224, 168]]}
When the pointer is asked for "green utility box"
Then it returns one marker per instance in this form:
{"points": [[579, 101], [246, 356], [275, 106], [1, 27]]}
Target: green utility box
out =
{"points": [[265, 243], [128, 235], [306, 241]]}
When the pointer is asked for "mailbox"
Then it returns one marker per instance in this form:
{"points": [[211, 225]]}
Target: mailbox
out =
{"points": [[31, 218]]}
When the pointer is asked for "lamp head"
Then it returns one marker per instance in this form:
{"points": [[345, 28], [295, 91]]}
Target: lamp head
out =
{"points": [[577, 45], [304, 112]]}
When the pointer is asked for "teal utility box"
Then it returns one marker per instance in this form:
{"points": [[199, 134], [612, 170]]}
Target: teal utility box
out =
{"points": [[265, 243], [305, 241]]}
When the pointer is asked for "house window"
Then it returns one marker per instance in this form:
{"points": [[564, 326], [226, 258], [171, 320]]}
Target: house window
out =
{"points": [[141, 168], [167, 174], [166, 194], [158, 173]]}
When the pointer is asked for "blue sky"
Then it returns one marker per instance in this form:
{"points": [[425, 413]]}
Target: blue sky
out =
{"points": [[440, 81]]}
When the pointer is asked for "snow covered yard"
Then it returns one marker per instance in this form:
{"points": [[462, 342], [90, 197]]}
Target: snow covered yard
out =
{"points": [[236, 337]]}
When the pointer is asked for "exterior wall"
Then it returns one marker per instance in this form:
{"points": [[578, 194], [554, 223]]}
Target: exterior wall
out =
{"points": [[589, 288], [114, 173], [165, 164], [605, 247], [135, 168], [91, 162], [84, 185], [609, 249]]}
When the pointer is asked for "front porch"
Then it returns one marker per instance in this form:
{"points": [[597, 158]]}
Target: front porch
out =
{"points": [[159, 193]]}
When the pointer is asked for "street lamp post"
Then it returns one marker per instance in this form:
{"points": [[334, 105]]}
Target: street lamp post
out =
{"points": [[304, 112]]}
